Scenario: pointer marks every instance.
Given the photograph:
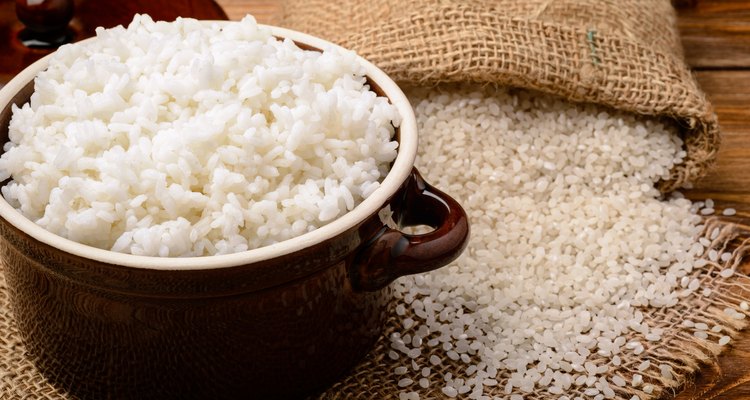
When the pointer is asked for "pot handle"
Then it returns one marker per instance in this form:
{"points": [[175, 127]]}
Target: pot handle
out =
{"points": [[390, 253]]}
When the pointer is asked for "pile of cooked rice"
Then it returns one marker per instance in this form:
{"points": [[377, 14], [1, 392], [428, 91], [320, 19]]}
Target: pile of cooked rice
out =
{"points": [[187, 139]]}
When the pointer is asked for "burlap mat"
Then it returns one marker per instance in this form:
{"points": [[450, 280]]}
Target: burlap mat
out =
{"points": [[625, 54]]}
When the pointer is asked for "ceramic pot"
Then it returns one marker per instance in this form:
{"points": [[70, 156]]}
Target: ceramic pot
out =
{"points": [[280, 321]]}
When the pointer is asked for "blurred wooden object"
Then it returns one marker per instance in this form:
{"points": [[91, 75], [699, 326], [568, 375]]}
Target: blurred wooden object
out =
{"points": [[88, 15], [716, 37], [716, 33], [264, 11]]}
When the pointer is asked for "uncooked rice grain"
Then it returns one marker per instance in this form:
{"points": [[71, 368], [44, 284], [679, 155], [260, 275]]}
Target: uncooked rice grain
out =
{"points": [[570, 241], [187, 139]]}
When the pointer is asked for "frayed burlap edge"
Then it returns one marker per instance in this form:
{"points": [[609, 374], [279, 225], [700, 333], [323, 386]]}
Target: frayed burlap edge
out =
{"points": [[678, 350], [448, 41]]}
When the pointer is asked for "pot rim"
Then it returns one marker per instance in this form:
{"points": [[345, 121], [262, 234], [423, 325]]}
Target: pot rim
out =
{"points": [[397, 175]]}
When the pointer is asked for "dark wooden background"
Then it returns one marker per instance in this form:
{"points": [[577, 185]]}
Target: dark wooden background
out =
{"points": [[716, 37]]}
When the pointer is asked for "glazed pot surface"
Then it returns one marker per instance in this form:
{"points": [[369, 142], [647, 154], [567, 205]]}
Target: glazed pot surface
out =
{"points": [[275, 343]]}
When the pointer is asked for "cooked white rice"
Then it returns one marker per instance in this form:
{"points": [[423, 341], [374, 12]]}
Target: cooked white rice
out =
{"points": [[181, 139]]}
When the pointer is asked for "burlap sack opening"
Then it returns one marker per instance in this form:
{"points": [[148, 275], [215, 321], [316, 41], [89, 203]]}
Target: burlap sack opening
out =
{"points": [[623, 54]]}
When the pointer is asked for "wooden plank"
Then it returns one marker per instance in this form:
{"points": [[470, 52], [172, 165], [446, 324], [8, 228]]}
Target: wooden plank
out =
{"points": [[729, 92], [726, 378], [264, 11], [715, 33]]}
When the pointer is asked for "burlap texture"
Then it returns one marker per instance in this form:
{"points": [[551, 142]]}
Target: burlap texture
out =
{"points": [[624, 54]]}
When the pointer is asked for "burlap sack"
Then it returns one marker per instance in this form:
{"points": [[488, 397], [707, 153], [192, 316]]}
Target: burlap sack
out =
{"points": [[625, 54]]}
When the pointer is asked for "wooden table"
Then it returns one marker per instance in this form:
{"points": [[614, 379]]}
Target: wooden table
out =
{"points": [[716, 37]]}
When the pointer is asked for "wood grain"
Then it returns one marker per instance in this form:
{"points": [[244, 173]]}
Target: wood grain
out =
{"points": [[716, 36], [729, 92], [264, 11], [89, 14], [716, 33]]}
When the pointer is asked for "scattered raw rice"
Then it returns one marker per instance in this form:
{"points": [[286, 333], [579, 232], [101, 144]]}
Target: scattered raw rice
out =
{"points": [[405, 382], [408, 396], [666, 371], [729, 212], [182, 139], [726, 273], [715, 233], [450, 391], [570, 241], [591, 392], [652, 337], [701, 326]]}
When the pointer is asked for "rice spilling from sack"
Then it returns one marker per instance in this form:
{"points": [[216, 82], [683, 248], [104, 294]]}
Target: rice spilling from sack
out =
{"points": [[572, 250], [182, 139]]}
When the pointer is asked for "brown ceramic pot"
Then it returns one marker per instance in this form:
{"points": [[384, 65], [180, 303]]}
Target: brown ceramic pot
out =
{"points": [[281, 321]]}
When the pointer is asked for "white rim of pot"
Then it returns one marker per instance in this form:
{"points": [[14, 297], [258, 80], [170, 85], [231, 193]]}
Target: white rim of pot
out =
{"points": [[399, 172]]}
